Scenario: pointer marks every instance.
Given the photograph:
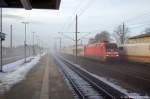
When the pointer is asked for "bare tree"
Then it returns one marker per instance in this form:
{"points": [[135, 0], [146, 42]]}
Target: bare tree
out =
{"points": [[147, 31], [91, 41], [100, 37], [103, 36], [121, 33]]}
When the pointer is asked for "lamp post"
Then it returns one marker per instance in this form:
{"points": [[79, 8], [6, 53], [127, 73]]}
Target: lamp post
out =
{"points": [[2, 37], [38, 43], [1, 40], [33, 45], [25, 41], [11, 43], [76, 35]]}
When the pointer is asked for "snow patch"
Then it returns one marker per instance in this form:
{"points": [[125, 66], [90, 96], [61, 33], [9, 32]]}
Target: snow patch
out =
{"points": [[16, 72]]}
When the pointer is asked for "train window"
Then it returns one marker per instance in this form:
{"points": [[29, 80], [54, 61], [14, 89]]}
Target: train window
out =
{"points": [[110, 47]]}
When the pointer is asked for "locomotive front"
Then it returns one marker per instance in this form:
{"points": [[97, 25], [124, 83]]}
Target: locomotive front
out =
{"points": [[111, 51]]}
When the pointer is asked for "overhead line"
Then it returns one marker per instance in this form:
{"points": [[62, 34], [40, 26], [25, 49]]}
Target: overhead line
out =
{"points": [[72, 16], [85, 8], [81, 12]]}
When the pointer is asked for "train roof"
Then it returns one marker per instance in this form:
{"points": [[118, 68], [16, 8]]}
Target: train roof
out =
{"points": [[140, 36], [99, 44]]}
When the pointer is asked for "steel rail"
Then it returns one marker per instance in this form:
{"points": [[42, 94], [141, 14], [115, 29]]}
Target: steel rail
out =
{"points": [[106, 90], [78, 92]]}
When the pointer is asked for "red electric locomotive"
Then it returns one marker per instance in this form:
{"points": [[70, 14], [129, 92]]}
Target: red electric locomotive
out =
{"points": [[103, 51]]}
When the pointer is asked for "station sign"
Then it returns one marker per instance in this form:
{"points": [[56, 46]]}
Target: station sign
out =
{"points": [[2, 36]]}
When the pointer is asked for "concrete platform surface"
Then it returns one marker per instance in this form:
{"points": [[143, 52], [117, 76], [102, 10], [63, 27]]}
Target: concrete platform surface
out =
{"points": [[30, 87], [44, 81], [57, 85]]}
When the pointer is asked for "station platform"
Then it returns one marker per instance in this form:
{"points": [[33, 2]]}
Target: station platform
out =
{"points": [[57, 86], [43, 81]]}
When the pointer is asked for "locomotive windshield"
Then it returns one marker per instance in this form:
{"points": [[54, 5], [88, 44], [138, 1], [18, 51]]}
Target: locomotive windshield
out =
{"points": [[111, 47]]}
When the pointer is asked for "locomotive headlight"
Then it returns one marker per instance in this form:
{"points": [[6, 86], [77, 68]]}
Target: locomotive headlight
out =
{"points": [[116, 53]]}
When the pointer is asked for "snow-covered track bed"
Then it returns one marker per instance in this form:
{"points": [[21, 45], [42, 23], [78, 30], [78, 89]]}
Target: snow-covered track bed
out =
{"points": [[84, 81]]}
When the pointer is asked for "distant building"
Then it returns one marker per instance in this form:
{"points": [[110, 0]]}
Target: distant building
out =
{"points": [[143, 38]]}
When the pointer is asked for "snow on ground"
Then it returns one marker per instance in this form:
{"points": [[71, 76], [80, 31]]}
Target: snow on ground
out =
{"points": [[16, 72], [112, 84]]}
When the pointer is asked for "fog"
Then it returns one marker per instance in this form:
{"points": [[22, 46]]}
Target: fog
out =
{"points": [[94, 16]]}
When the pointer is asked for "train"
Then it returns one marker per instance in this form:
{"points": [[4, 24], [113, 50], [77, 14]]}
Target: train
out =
{"points": [[138, 52], [101, 51]]}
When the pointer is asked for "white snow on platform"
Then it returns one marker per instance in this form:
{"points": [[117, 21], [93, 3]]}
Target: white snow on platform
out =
{"points": [[16, 72], [112, 84]]}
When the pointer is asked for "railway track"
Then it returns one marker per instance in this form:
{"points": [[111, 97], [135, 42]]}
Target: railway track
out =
{"points": [[104, 90], [124, 74]]}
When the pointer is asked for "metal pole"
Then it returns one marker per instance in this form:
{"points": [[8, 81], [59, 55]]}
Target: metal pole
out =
{"points": [[11, 36], [40, 46], [1, 57], [55, 46], [76, 34], [60, 43], [25, 41], [1, 68], [33, 44], [37, 45], [25, 44], [29, 50], [123, 32]]}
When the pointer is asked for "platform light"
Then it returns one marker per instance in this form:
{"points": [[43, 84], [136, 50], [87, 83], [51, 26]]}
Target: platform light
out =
{"points": [[26, 4]]}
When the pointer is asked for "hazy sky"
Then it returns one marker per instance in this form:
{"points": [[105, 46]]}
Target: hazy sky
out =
{"points": [[94, 16]]}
